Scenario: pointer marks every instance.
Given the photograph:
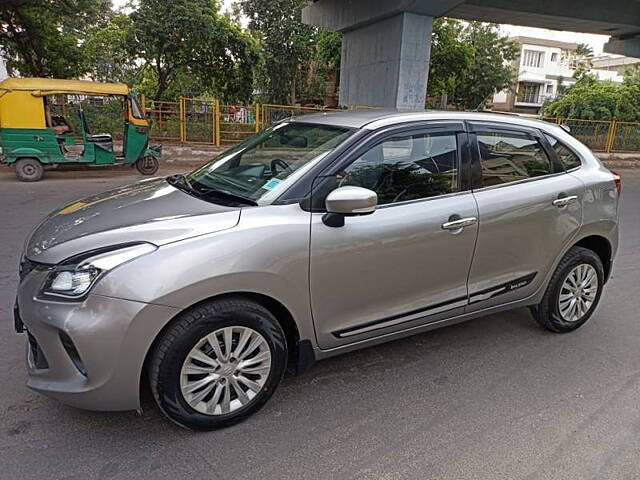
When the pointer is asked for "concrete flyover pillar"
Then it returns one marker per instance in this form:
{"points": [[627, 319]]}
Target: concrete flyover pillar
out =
{"points": [[629, 47], [386, 63], [386, 47]]}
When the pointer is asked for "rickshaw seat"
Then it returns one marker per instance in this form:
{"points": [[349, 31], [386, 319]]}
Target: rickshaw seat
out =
{"points": [[102, 140], [99, 138]]}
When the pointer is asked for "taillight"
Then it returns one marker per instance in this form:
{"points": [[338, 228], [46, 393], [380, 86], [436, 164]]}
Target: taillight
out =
{"points": [[618, 180]]}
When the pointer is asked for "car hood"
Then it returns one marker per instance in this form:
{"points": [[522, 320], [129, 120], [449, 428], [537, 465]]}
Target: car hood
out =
{"points": [[148, 211]]}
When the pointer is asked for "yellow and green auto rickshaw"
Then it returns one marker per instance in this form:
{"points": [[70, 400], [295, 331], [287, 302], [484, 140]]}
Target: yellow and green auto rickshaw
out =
{"points": [[45, 121]]}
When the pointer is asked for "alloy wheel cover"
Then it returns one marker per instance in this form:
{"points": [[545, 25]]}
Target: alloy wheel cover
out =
{"points": [[225, 370]]}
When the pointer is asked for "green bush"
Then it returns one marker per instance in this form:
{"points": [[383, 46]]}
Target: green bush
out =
{"points": [[590, 99]]}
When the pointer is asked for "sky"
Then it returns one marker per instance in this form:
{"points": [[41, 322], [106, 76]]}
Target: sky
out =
{"points": [[595, 41]]}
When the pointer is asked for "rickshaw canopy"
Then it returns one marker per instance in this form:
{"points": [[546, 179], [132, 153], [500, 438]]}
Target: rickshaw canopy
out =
{"points": [[21, 99], [51, 86]]}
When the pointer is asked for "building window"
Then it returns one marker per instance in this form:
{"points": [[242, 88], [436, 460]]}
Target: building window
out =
{"points": [[549, 88], [554, 57], [533, 58], [529, 93]]}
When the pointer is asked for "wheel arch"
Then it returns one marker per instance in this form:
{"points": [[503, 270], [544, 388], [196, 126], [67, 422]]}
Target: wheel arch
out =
{"points": [[602, 247], [26, 152], [299, 351]]}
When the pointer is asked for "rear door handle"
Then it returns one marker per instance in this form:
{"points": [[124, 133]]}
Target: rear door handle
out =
{"points": [[564, 201], [458, 224]]}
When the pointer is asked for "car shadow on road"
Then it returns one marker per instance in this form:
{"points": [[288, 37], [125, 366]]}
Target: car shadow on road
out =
{"points": [[430, 360]]}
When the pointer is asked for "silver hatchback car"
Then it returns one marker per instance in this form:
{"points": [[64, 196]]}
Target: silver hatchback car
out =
{"points": [[323, 234]]}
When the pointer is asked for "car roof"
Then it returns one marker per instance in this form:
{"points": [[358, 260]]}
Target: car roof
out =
{"points": [[372, 119]]}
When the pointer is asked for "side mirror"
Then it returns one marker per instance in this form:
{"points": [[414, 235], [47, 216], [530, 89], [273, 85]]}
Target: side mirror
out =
{"points": [[348, 202]]}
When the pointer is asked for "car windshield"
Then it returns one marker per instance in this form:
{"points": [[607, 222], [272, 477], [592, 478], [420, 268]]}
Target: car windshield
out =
{"points": [[261, 168]]}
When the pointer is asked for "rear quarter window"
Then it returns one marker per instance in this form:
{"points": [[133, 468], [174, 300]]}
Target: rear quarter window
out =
{"points": [[567, 156]]}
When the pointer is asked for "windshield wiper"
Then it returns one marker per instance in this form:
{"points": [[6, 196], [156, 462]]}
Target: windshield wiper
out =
{"points": [[215, 192], [181, 182]]}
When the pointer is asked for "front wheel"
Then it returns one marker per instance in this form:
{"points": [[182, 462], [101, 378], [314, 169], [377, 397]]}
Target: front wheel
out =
{"points": [[218, 363], [29, 170], [147, 165], [573, 293]]}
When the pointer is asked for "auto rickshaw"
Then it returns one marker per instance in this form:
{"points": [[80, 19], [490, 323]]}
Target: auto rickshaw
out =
{"points": [[33, 134]]}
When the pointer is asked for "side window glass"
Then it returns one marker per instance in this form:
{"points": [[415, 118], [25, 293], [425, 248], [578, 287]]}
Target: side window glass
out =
{"points": [[568, 158], [511, 156], [406, 168]]}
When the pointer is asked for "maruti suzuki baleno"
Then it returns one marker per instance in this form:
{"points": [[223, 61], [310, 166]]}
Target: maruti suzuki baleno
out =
{"points": [[323, 234]]}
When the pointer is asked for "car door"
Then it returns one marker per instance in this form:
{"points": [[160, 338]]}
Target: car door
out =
{"points": [[529, 210], [404, 265]]}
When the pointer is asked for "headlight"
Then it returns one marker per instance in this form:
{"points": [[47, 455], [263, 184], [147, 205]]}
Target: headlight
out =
{"points": [[74, 277]]}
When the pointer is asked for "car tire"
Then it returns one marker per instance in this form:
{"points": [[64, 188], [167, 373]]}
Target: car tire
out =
{"points": [[147, 165], [29, 170], [179, 361], [573, 293]]}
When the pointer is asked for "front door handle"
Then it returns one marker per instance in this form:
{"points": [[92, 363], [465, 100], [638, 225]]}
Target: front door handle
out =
{"points": [[564, 201], [459, 224]]}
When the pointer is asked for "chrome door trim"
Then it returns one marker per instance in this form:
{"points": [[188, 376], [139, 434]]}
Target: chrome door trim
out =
{"points": [[459, 224], [401, 318], [564, 201], [519, 182], [427, 199]]}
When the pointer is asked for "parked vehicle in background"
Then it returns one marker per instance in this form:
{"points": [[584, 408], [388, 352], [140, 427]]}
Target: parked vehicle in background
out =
{"points": [[321, 235], [33, 135]]}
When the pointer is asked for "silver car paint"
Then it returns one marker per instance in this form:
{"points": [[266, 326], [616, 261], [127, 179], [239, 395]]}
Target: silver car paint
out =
{"points": [[208, 250], [351, 200], [511, 243], [423, 266], [151, 211], [109, 334]]}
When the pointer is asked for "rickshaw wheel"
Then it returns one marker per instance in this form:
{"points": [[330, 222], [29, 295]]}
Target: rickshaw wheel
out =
{"points": [[29, 170], [147, 165]]}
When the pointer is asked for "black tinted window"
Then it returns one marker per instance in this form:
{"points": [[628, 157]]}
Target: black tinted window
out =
{"points": [[568, 158], [511, 156], [407, 168]]}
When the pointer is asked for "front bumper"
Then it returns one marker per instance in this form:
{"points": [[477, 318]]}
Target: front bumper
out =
{"points": [[87, 354]]}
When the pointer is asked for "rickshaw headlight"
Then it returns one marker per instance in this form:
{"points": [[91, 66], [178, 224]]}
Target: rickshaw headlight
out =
{"points": [[74, 277]]}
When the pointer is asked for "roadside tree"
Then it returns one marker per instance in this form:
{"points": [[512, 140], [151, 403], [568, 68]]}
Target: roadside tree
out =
{"points": [[190, 39], [45, 38]]}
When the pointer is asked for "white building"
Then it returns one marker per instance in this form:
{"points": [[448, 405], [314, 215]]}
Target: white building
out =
{"points": [[614, 63], [543, 66]]}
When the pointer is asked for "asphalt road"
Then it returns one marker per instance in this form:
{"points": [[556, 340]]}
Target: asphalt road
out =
{"points": [[495, 398]]}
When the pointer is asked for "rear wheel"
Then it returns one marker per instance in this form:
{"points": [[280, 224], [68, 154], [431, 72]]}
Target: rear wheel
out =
{"points": [[218, 364], [573, 293], [29, 170], [147, 165]]}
